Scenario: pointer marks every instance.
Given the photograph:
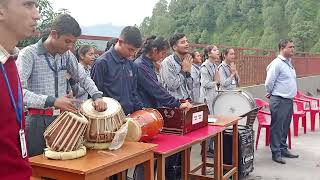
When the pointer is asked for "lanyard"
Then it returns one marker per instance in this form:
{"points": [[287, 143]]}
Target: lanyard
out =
{"points": [[17, 108], [56, 74]]}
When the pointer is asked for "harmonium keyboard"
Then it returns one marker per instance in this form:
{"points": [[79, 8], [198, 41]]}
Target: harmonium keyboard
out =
{"points": [[177, 121]]}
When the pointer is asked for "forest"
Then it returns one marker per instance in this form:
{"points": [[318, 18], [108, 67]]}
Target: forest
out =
{"points": [[242, 23]]}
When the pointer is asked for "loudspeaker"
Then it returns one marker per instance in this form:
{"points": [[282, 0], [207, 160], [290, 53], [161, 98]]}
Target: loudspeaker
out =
{"points": [[245, 149]]}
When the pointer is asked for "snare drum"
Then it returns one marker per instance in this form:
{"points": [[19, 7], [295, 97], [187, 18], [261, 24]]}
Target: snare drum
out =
{"points": [[233, 103], [144, 125], [66, 132], [102, 125]]}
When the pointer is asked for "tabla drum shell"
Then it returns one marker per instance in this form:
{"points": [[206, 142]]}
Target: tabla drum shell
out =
{"points": [[233, 103], [102, 125], [147, 123], [66, 132]]}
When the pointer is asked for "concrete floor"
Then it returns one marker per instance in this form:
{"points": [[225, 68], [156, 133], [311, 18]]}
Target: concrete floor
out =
{"points": [[306, 167]]}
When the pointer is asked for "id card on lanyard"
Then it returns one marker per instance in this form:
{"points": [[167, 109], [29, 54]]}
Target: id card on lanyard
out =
{"points": [[18, 108]]}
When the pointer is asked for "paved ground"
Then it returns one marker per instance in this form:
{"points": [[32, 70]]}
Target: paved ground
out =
{"points": [[306, 167]]}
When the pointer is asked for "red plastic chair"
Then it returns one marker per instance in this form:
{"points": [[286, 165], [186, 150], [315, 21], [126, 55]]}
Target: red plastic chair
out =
{"points": [[263, 123], [313, 110], [298, 113]]}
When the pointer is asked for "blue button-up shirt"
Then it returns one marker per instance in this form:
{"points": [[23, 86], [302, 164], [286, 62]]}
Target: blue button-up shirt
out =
{"points": [[116, 77], [150, 90], [281, 78]]}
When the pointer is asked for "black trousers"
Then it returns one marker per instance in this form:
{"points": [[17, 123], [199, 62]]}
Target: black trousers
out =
{"points": [[281, 113]]}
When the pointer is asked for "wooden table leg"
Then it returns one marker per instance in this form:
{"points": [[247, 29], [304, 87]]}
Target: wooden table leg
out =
{"points": [[189, 160], [122, 175], [161, 162], [235, 150], [218, 157], [185, 169], [149, 169], [204, 145]]}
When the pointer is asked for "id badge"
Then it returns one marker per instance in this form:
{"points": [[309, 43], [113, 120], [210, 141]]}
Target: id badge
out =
{"points": [[4, 55], [23, 143], [233, 82]]}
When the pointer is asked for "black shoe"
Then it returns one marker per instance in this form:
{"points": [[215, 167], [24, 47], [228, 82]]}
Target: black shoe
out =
{"points": [[288, 154], [278, 159]]}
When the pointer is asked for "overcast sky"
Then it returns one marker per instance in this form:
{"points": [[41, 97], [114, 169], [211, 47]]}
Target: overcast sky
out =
{"points": [[117, 12]]}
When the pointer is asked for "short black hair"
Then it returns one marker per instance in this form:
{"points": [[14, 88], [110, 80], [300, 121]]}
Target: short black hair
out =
{"points": [[66, 24], [283, 43], [131, 35], [175, 38], [111, 43]]}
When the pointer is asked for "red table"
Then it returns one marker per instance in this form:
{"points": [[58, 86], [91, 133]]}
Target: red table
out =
{"points": [[171, 144]]}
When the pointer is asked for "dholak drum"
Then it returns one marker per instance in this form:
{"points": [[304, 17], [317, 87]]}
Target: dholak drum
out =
{"points": [[66, 132], [143, 125], [233, 103], [102, 125]]}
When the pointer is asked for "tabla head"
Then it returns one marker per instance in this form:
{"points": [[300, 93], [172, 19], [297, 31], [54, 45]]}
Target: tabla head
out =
{"points": [[113, 107]]}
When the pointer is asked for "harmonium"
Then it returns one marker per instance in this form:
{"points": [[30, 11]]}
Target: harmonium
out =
{"points": [[177, 121]]}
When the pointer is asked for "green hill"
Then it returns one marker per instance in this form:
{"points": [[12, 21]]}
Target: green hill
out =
{"points": [[247, 23]]}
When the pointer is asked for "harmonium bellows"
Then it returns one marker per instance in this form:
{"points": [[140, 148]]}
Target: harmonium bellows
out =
{"points": [[177, 121]]}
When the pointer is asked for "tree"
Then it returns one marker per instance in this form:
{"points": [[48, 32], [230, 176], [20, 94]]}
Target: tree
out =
{"points": [[269, 39], [316, 48], [301, 32], [205, 37]]}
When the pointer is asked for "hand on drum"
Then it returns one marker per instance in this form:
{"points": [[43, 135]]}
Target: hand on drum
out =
{"points": [[186, 106], [99, 105], [66, 104]]}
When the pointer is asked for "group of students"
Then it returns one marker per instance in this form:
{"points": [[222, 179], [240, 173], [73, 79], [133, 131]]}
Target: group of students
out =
{"points": [[48, 69]]}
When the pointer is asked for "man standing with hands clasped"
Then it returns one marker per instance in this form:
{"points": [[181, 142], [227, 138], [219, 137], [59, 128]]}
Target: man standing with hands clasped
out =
{"points": [[281, 87]]}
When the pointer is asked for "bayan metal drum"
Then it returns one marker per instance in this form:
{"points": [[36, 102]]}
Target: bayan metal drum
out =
{"points": [[143, 125], [102, 126], [233, 103], [66, 132]]}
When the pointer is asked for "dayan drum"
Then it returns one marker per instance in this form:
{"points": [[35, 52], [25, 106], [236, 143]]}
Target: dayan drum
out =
{"points": [[233, 103], [66, 132], [143, 125], [103, 125]]}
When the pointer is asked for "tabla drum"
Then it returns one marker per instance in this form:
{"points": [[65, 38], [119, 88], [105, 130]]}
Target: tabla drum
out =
{"points": [[233, 103], [102, 125], [143, 125], [66, 132]]}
